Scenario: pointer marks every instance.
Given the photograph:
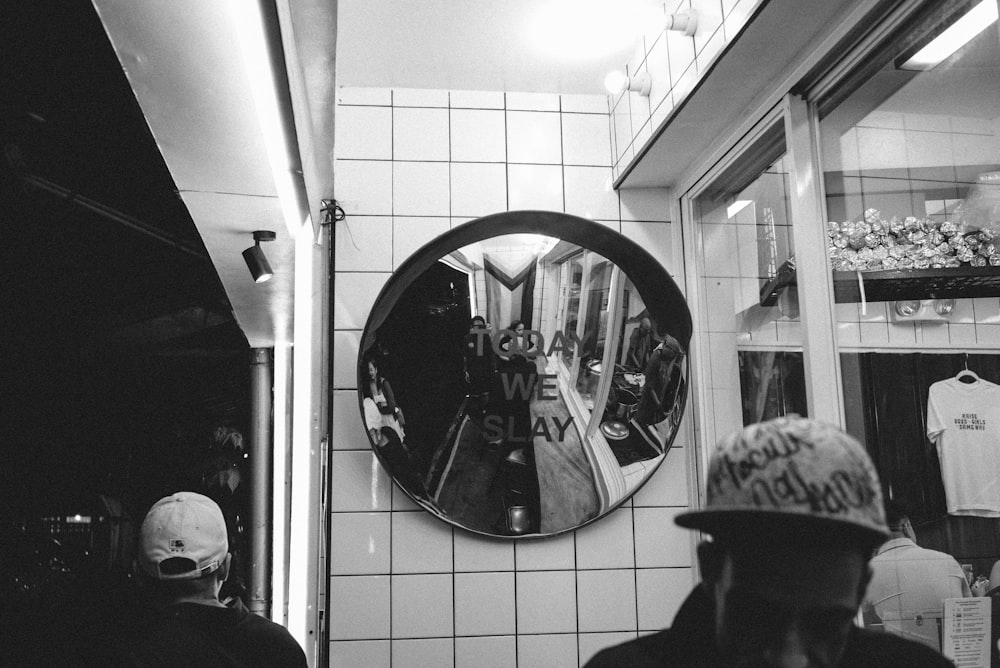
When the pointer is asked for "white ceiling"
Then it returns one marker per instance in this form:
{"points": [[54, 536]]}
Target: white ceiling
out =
{"points": [[507, 45]]}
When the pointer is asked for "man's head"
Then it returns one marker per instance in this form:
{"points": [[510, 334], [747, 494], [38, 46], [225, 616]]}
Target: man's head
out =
{"points": [[898, 518], [646, 324], [794, 508], [477, 322], [183, 545]]}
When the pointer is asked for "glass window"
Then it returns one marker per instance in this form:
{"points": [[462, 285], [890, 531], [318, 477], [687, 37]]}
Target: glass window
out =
{"points": [[910, 150], [746, 267]]}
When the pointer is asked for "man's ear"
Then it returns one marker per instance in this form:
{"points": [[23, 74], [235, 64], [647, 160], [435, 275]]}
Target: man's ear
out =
{"points": [[711, 557], [866, 577], [224, 569]]}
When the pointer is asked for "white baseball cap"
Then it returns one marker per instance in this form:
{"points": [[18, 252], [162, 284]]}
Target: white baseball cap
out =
{"points": [[791, 473], [183, 537]]}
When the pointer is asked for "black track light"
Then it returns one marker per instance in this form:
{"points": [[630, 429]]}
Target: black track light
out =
{"points": [[256, 261]]}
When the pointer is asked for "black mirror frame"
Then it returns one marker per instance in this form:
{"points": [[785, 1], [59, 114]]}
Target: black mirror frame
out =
{"points": [[660, 295]]}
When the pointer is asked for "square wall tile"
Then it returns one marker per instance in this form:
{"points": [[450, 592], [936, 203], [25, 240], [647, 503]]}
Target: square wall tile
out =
{"points": [[902, 334], [533, 101], [420, 189], [478, 189], [478, 135], [589, 193], [368, 96], [362, 610], [475, 99], [875, 333], [585, 104], [655, 238], [961, 334], [592, 643], [363, 187], [410, 233], [549, 554], [484, 604], [533, 137], [359, 482], [535, 187], [363, 133], [473, 553], [364, 243], [422, 606], [419, 97], [607, 543], [929, 334], [724, 360], [359, 544], [964, 312], [848, 334], [345, 358], [422, 653], [668, 486], [496, 652], [606, 600], [420, 544], [546, 602], [348, 425], [546, 651], [419, 134], [586, 140], [367, 653], [988, 335], [660, 542], [354, 298], [660, 593], [987, 310], [873, 312], [680, 52], [709, 23]]}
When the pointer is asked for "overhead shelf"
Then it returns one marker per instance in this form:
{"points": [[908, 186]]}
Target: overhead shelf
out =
{"points": [[898, 284]]}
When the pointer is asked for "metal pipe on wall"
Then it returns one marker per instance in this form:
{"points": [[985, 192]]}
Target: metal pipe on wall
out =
{"points": [[260, 440]]}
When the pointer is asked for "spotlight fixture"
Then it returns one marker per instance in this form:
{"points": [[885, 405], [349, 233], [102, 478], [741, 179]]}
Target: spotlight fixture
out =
{"points": [[256, 261], [616, 83], [686, 22]]}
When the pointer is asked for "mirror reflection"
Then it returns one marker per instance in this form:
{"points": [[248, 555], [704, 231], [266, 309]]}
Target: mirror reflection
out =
{"points": [[520, 386]]}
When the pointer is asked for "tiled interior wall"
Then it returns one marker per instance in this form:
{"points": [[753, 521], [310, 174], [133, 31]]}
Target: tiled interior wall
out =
{"points": [[406, 588], [675, 63]]}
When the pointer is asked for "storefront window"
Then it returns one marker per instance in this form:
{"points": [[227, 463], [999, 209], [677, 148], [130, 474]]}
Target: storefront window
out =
{"points": [[746, 266], [911, 169]]}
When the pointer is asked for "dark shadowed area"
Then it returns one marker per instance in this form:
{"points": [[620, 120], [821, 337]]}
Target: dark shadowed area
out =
{"points": [[119, 349]]}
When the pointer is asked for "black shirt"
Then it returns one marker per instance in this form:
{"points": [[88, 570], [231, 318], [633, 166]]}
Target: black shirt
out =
{"points": [[194, 635], [690, 643]]}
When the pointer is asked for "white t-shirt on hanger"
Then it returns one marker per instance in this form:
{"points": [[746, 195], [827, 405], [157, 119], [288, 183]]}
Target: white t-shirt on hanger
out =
{"points": [[963, 421]]}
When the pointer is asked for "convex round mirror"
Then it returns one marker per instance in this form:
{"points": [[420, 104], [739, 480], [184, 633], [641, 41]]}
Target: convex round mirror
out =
{"points": [[525, 373]]}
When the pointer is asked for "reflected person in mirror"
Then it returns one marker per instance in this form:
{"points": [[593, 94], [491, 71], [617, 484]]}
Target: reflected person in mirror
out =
{"points": [[660, 387], [479, 365], [794, 510], [640, 345], [380, 405]]}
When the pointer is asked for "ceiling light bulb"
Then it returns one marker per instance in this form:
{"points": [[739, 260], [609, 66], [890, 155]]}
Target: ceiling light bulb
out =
{"points": [[908, 307], [615, 82], [686, 22], [944, 307]]}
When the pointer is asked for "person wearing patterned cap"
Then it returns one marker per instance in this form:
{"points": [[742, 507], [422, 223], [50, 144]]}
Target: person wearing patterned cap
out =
{"points": [[794, 511], [184, 558]]}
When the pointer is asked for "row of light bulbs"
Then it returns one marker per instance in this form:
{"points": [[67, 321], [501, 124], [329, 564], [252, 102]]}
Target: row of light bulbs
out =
{"points": [[618, 82]]}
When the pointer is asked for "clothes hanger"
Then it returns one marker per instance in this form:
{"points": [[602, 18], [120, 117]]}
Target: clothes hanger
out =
{"points": [[966, 375]]}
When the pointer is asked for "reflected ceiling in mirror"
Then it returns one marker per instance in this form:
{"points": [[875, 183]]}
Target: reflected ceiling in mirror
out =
{"points": [[525, 373]]}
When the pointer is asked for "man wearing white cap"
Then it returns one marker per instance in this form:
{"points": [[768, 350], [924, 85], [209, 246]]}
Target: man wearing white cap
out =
{"points": [[794, 509], [184, 549]]}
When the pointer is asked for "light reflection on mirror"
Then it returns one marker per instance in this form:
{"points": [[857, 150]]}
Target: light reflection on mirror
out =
{"points": [[520, 386]]}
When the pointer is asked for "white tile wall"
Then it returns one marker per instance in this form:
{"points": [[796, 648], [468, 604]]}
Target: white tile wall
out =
{"points": [[675, 62], [408, 589]]}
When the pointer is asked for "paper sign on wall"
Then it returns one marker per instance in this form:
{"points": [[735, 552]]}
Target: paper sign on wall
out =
{"points": [[966, 637]]}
